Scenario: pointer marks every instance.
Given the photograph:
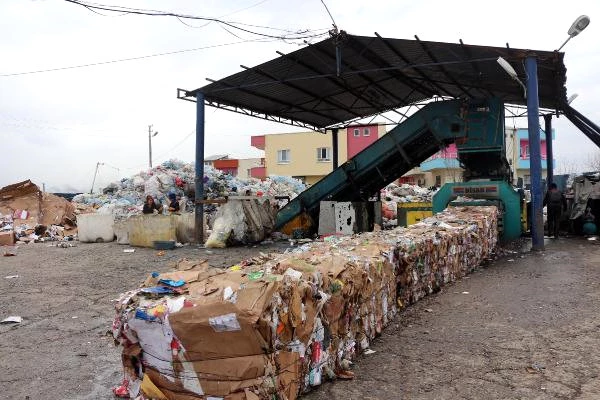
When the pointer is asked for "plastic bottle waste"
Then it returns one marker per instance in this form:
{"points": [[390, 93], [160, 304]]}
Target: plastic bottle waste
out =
{"points": [[315, 376]]}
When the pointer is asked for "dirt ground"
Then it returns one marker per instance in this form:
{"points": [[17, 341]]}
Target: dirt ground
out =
{"points": [[523, 327]]}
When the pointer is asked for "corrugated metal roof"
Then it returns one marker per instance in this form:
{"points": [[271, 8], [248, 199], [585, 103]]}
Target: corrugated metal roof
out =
{"points": [[378, 75]]}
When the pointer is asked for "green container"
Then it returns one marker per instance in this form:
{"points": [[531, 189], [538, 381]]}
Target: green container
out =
{"points": [[164, 244]]}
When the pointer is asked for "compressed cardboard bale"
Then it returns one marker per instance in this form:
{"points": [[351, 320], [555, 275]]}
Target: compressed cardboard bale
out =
{"points": [[222, 329], [281, 324]]}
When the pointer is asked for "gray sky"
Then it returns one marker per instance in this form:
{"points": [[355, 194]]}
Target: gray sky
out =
{"points": [[55, 126]]}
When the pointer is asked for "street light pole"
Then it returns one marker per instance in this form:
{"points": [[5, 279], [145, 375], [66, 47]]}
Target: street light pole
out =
{"points": [[150, 136], [578, 25]]}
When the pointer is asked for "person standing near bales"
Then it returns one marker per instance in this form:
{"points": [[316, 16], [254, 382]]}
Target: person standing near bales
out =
{"points": [[555, 202], [150, 206]]}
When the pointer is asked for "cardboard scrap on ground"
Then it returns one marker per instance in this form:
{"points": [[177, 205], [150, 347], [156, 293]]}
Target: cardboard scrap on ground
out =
{"points": [[277, 325], [31, 213], [28, 204]]}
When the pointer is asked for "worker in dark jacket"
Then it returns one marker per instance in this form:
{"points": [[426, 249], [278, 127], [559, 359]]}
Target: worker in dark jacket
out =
{"points": [[173, 203], [150, 205], [555, 202]]}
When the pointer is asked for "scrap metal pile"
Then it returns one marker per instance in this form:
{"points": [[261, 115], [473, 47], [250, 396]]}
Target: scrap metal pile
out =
{"points": [[277, 325], [126, 197]]}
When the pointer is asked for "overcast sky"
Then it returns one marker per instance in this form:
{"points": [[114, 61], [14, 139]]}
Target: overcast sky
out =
{"points": [[55, 126]]}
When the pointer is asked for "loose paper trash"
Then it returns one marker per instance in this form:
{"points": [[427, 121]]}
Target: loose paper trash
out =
{"points": [[13, 319]]}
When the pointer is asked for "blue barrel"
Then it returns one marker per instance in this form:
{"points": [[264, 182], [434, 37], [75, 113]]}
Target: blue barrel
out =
{"points": [[589, 228]]}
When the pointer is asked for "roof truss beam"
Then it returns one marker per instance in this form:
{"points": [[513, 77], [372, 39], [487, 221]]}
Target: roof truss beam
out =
{"points": [[408, 62], [302, 90], [276, 100], [441, 67], [377, 107], [394, 73]]}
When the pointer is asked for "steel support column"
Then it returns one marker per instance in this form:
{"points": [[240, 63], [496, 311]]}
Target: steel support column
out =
{"points": [[549, 153], [199, 179], [334, 146], [535, 157]]}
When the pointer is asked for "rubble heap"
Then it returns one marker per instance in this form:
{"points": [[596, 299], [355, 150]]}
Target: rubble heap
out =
{"points": [[276, 325], [126, 197]]}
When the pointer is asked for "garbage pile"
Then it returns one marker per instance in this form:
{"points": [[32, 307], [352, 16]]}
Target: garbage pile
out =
{"points": [[276, 325], [126, 197], [393, 194], [27, 214], [242, 221]]}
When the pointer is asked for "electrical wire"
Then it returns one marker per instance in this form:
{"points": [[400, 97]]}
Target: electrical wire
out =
{"points": [[330, 16], [298, 35], [176, 146], [225, 15], [134, 58]]}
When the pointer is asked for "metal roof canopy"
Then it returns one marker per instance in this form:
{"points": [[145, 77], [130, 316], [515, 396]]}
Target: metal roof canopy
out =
{"points": [[346, 78]]}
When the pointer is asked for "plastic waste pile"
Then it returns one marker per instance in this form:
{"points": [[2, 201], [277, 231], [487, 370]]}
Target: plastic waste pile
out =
{"points": [[406, 193], [126, 197], [240, 222], [277, 325], [393, 194]]}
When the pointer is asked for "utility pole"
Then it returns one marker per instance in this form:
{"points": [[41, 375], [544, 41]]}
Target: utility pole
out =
{"points": [[150, 136], [98, 164]]}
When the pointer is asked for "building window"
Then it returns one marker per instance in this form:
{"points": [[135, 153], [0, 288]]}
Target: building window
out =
{"points": [[356, 132], [527, 179], [323, 154], [438, 180], [366, 132], [525, 152], [283, 156]]}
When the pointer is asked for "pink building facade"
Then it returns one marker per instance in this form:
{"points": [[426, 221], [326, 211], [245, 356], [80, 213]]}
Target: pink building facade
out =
{"points": [[359, 137]]}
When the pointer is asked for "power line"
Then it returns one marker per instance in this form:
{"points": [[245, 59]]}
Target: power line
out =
{"points": [[177, 145], [298, 35], [225, 15], [133, 58], [330, 16]]}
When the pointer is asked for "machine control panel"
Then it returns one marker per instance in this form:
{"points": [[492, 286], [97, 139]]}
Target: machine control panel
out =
{"points": [[485, 191]]}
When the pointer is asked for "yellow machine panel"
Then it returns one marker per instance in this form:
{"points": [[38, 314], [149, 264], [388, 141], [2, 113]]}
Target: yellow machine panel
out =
{"points": [[411, 213]]}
